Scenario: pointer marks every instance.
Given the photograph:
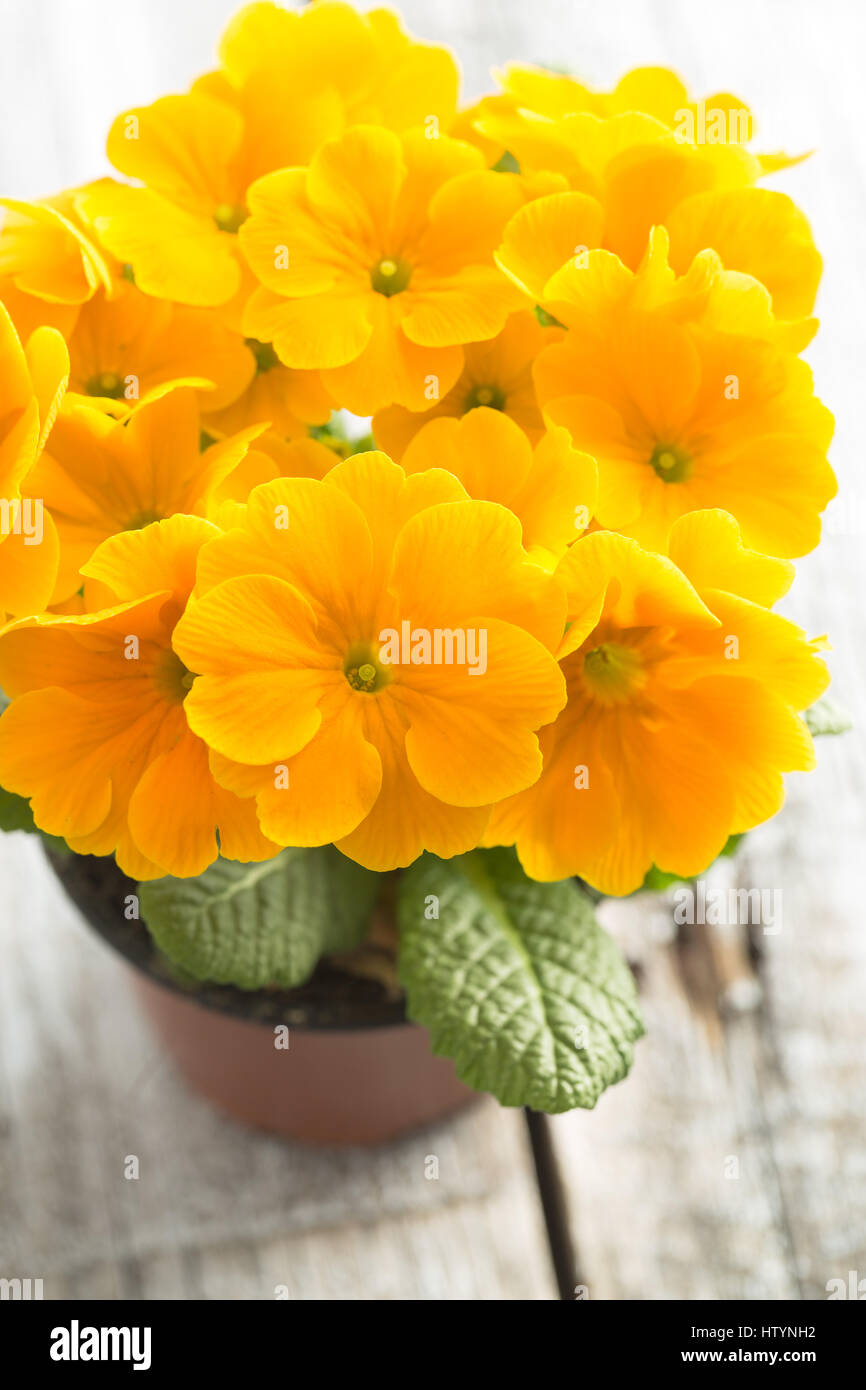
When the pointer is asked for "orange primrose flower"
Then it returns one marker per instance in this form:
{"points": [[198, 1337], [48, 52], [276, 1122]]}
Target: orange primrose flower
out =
{"points": [[719, 119], [687, 394], [49, 263], [102, 476], [373, 657], [126, 348], [643, 157], [372, 271], [551, 489], [682, 714], [373, 72], [32, 382], [288, 83], [288, 400], [496, 374], [96, 734]]}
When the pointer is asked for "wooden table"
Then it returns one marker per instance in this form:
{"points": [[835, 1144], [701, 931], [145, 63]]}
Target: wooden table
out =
{"points": [[731, 1163]]}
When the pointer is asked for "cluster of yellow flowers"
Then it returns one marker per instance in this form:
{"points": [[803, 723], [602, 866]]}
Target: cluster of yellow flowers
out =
{"points": [[543, 615]]}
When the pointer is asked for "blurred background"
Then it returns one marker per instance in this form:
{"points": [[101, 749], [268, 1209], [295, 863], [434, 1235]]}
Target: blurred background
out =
{"points": [[731, 1163]]}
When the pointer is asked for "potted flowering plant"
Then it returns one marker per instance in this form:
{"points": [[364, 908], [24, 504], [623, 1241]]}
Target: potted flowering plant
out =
{"points": [[339, 739]]}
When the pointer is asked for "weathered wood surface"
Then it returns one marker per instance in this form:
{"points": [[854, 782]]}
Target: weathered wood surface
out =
{"points": [[775, 1094], [216, 1211]]}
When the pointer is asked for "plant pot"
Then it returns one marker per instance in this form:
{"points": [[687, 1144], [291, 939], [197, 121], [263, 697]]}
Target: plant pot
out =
{"points": [[333, 1062]]}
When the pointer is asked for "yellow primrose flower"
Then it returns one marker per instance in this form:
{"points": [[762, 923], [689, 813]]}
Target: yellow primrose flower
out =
{"points": [[269, 458], [125, 348], [686, 393], [551, 489], [293, 458], [373, 658], [195, 155], [371, 269], [49, 263], [380, 74], [32, 382], [288, 400], [496, 374], [96, 734], [655, 91], [683, 692], [179, 230], [101, 476], [631, 167], [288, 83], [755, 230]]}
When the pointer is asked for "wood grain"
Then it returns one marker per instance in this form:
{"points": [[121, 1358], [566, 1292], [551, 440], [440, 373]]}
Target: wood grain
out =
{"points": [[84, 1085]]}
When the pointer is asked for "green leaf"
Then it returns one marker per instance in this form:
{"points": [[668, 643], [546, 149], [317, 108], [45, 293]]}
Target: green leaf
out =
{"points": [[254, 925], [515, 980], [826, 716], [657, 880], [15, 812]]}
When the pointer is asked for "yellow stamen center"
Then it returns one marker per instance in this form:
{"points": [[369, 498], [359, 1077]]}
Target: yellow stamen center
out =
{"points": [[106, 384], [229, 217], [493, 397], [171, 677], [390, 276], [613, 672], [266, 358], [363, 671], [671, 463], [139, 520]]}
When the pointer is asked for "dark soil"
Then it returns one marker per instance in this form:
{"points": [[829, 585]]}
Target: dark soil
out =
{"points": [[332, 998]]}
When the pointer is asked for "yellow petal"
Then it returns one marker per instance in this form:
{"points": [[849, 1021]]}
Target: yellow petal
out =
{"points": [[546, 234], [706, 546], [252, 642], [470, 739], [330, 785], [180, 146], [175, 253], [754, 230]]}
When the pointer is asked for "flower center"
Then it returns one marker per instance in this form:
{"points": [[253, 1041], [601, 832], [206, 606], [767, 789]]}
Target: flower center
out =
{"points": [[229, 217], [171, 677], [142, 519], [613, 672], [106, 384], [390, 276], [266, 358], [491, 396], [670, 463], [363, 670]]}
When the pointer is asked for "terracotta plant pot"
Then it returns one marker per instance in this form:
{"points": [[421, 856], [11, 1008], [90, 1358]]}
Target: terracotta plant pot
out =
{"points": [[334, 1062]]}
